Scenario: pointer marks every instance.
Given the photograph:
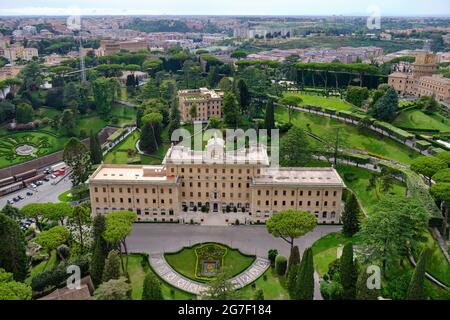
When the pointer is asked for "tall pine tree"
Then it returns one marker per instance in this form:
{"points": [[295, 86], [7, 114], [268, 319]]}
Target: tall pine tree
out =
{"points": [[348, 273], [386, 107], [270, 116], [304, 287], [350, 216], [99, 250], [95, 149], [416, 286], [294, 262]]}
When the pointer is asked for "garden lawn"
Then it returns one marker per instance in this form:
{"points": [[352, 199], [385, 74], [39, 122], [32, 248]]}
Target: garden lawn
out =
{"points": [[417, 119], [125, 115], [41, 267], [137, 274], [349, 135], [357, 179], [185, 260], [272, 285], [324, 102], [92, 122]]}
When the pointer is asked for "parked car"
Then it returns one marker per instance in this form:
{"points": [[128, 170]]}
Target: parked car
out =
{"points": [[20, 197], [53, 176], [10, 201], [46, 179], [29, 193], [33, 185]]}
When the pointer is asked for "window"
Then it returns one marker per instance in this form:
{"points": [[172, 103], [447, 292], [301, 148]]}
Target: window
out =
{"points": [[309, 193], [318, 193], [96, 189]]}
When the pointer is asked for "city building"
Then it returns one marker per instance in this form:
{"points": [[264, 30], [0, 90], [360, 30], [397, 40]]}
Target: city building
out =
{"points": [[108, 47], [421, 79], [207, 101], [241, 182], [14, 53]]}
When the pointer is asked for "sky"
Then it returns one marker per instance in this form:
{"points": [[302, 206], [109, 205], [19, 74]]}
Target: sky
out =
{"points": [[226, 7]]}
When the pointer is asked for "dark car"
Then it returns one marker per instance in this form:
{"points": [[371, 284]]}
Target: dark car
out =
{"points": [[29, 193]]}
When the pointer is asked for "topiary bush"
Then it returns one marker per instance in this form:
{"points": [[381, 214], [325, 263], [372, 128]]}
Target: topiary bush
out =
{"points": [[280, 265], [271, 255]]}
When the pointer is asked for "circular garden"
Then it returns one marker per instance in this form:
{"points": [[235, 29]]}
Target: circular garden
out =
{"points": [[202, 262]]}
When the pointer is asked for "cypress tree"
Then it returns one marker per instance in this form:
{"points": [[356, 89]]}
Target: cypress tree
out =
{"points": [[95, 149], [294, 261], [112, 266], [13, 258], [99, 250], [243, 95], [416, 286], [152, 288], [350, 216], [270, 116], [362, 291], [304, 288], [348, 273]]}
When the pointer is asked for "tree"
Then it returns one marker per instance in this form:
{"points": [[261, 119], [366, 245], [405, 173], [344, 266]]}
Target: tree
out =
{"points": [[105, 91], [350, 215], [150, 90], [118, 227], [213, 77], [6, 110], [290, 101], [12, 248], [99, 250], [67, 123], [168, 90], [95, 149], [280, 265], [441, 191], [12, 290], [214, 123], [348, 273], [112, 266], [444, 156], [193, 111], [76, 156], [428, 166], [416, 286], [52, 238], [294, 262], [12, 212], [152, 288], [71, 93], [396, 224], [230, 110], [304, 288], [55, 212], [80, 221], [151, 132], [295, 148], [386, 107], [24, 113], [291, 224], [116, 289], [239, 54], [225, 84], [220, 288], [270, 116], [357, 95], [362, 290], [31, 77], [243, 95]]}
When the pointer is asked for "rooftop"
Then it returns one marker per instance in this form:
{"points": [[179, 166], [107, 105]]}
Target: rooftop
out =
{"points": [[131, 173], [295, 176]]}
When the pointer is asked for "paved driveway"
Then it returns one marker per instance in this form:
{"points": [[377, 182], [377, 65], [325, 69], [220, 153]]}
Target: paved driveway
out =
{"points": [[154, 238]]}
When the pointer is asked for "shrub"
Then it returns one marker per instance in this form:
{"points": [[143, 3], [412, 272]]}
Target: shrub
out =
{"points": [[236, 222], [271, 255], [280, 265]]}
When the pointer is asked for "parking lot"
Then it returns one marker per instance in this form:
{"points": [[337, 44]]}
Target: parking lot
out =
{"points": [[41, 194]]}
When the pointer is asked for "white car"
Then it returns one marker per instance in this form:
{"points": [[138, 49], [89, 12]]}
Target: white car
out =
{"points": [[33, 185]]}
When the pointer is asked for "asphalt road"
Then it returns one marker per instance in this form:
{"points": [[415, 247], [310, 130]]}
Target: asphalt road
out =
{"points": [[148, 237], [42, 194]]}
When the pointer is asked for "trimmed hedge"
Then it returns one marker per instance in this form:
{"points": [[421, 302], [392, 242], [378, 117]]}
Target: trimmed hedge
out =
{"points": [[280, 265]]}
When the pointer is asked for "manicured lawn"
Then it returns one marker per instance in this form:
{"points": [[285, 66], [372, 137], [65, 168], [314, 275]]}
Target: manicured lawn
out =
{"points": [[349, 135], [41, 267], [324, 102], [417, 119], [437, 265], [357, 179], [125, 115], [272, 285], [185, 262], [91, 122], [137, 274], [325, 250]]}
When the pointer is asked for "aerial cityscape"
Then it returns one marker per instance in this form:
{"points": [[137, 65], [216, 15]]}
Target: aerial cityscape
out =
{"points": [[176, 151]]}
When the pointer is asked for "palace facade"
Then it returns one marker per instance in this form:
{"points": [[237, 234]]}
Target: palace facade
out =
{"points": [[207, 103], [217, 181]]}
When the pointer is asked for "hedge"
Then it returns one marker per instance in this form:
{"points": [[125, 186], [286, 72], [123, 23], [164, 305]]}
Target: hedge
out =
{"points": [[422, 145]]}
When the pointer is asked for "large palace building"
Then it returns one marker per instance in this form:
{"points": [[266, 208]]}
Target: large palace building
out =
{"points": [[422, 81], [238, 183], [207, 103]]}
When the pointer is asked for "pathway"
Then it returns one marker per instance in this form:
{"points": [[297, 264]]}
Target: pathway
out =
{"points": [[168, 274]]}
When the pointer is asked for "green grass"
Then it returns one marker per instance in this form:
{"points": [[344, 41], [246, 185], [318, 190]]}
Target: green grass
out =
{"points": [[437, 265], [349, 135], [137, 274], [368, 198], [272, 285], [41, 267], [334, 103], [185, 261], [91, 122], [417, 119], [325, 250]]}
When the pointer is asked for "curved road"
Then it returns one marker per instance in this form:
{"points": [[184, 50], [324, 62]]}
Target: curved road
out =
{"points": [[159, 238]]}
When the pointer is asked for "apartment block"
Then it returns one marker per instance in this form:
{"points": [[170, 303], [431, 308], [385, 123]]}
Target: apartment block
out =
{"points": [[207, 102]]}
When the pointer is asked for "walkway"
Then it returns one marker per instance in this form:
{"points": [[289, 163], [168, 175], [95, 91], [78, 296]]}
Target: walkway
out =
{"points": [[168, 274]]}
